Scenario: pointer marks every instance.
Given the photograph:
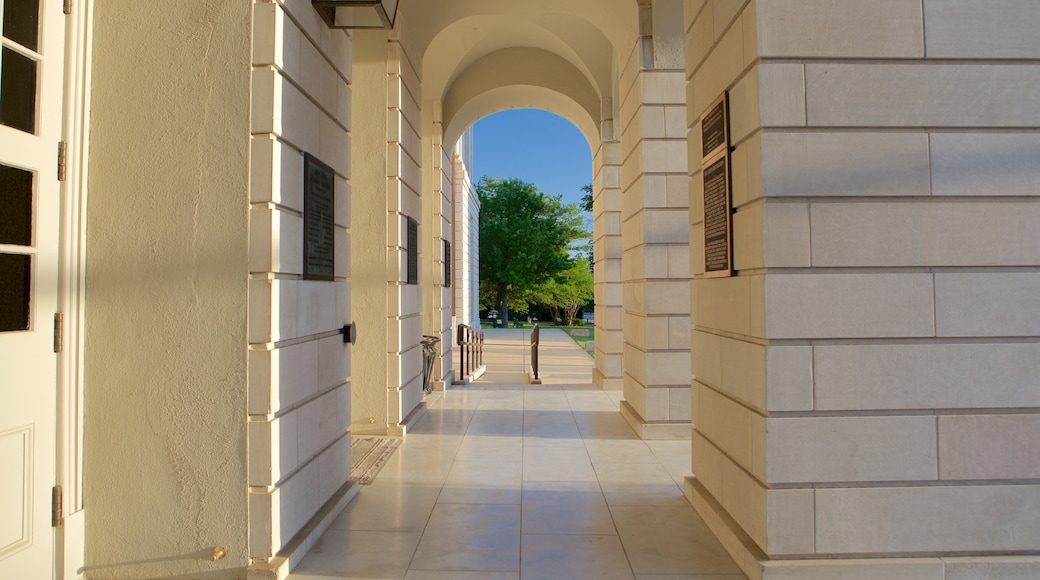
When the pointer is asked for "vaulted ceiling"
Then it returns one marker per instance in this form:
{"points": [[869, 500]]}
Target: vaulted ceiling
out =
{"points": [[482, 56]]}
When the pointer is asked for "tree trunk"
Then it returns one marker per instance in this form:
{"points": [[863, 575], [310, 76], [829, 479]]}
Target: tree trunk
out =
{"points": [[504, 300]]}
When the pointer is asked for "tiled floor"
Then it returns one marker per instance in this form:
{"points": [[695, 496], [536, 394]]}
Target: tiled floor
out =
{"points": [[507, 481]]}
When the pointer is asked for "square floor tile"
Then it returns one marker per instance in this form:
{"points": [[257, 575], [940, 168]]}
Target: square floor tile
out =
{"points": [[675, 456], [557, 464], [591, 401], [343, 553], [551, 557], [603, 425], [400, 507], [460, 575], [691, 577], [502, 423], [495, 482], [670, 540], [471, 537], [639, 484], [565, 508], [620, 451], [490, 448]]}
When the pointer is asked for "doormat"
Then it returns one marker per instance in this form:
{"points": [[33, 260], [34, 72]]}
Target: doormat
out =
{"points": [[368, 455]]}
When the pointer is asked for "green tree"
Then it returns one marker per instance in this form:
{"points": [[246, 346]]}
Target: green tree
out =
{"points": [[525, 236], [566, 293], [587, 207], [586, 198]]}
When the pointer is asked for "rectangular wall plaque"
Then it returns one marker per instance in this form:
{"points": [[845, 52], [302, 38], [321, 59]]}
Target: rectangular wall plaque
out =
{"points": [[718, 191], [718, 249], [715, 127], [319, 211]]}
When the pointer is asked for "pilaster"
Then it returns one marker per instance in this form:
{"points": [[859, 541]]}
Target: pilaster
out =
{"points": [[655, 249], [859, 388]]}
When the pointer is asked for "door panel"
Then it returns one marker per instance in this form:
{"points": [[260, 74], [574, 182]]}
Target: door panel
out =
{"points": [[31, 69]]}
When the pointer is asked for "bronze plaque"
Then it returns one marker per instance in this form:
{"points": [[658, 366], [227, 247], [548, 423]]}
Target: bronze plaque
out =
{"points": [[718, 191], [319, 212], [718, 246], [715, 127]]}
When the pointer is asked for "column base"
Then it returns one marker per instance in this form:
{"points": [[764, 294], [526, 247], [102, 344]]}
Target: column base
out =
{"points": [[605, 383], [654, 430], [757, 566], [401, 429], [278, 568]]}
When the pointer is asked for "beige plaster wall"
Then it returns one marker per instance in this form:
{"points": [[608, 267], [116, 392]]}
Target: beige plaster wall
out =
{"points": [[299, 366], [369, 254], [167, 274], [386, 162], [864, 384]]}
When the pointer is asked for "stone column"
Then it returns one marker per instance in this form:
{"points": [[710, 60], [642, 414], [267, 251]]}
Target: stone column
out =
{"points": [[467, 239], [865, 387], [299, 368], [606, 188], [655, 242], [438, 214], [404, 184]]}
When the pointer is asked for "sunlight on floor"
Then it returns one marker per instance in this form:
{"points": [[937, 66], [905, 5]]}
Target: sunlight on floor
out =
{"points": [[507, 481]]}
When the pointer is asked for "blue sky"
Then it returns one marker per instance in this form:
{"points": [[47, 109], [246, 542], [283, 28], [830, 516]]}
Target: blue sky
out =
{"points": [[536, 146]]}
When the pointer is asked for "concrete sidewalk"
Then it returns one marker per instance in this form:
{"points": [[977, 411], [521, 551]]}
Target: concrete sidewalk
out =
{"points": [[507, 355]]}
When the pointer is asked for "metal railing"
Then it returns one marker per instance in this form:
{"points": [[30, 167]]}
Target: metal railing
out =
{"points": [[471, 349], [534, 353]]}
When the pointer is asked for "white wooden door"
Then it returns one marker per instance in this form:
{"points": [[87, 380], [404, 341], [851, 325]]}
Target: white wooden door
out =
{"points": [[31, 71]]}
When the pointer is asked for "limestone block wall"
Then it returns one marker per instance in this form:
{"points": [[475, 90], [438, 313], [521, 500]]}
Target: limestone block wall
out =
{"points": [[167, 242], [655, 240], [606, 231], [404, 200], [299, 366], [437, 290], [866, 384], [466, 247]]}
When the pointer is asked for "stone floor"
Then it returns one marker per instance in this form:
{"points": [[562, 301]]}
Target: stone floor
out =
{"points": [[505, 480]]}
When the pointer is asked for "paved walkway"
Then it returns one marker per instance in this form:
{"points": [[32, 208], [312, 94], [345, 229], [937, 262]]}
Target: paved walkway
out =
{"points": [[505, 480]]}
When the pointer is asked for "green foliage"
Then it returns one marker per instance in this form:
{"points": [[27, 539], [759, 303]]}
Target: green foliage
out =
{"points": [[586, 199], [525, 238], [567, 292], [587, 206]]}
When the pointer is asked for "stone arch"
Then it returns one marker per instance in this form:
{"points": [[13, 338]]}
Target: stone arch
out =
{"points": [[536, 79]]}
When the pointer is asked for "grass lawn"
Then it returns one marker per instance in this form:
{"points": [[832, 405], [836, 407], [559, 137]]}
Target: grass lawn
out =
{"points": [[581, 340]]}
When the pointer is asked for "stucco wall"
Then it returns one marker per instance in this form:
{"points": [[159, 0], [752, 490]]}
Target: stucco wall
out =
{"points": [[369, 256], [167, 238]]}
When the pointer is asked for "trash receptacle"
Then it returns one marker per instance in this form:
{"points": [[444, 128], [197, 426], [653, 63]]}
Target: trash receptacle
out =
{"points": [[429, 348]]}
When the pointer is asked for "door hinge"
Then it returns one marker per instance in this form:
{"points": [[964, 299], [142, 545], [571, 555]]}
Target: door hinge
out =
{"points": [[59, 332], [67, 7], [56, 507], [63, 157]]}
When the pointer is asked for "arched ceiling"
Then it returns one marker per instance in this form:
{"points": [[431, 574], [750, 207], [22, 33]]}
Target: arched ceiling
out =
{"points": [[559, 55]]}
